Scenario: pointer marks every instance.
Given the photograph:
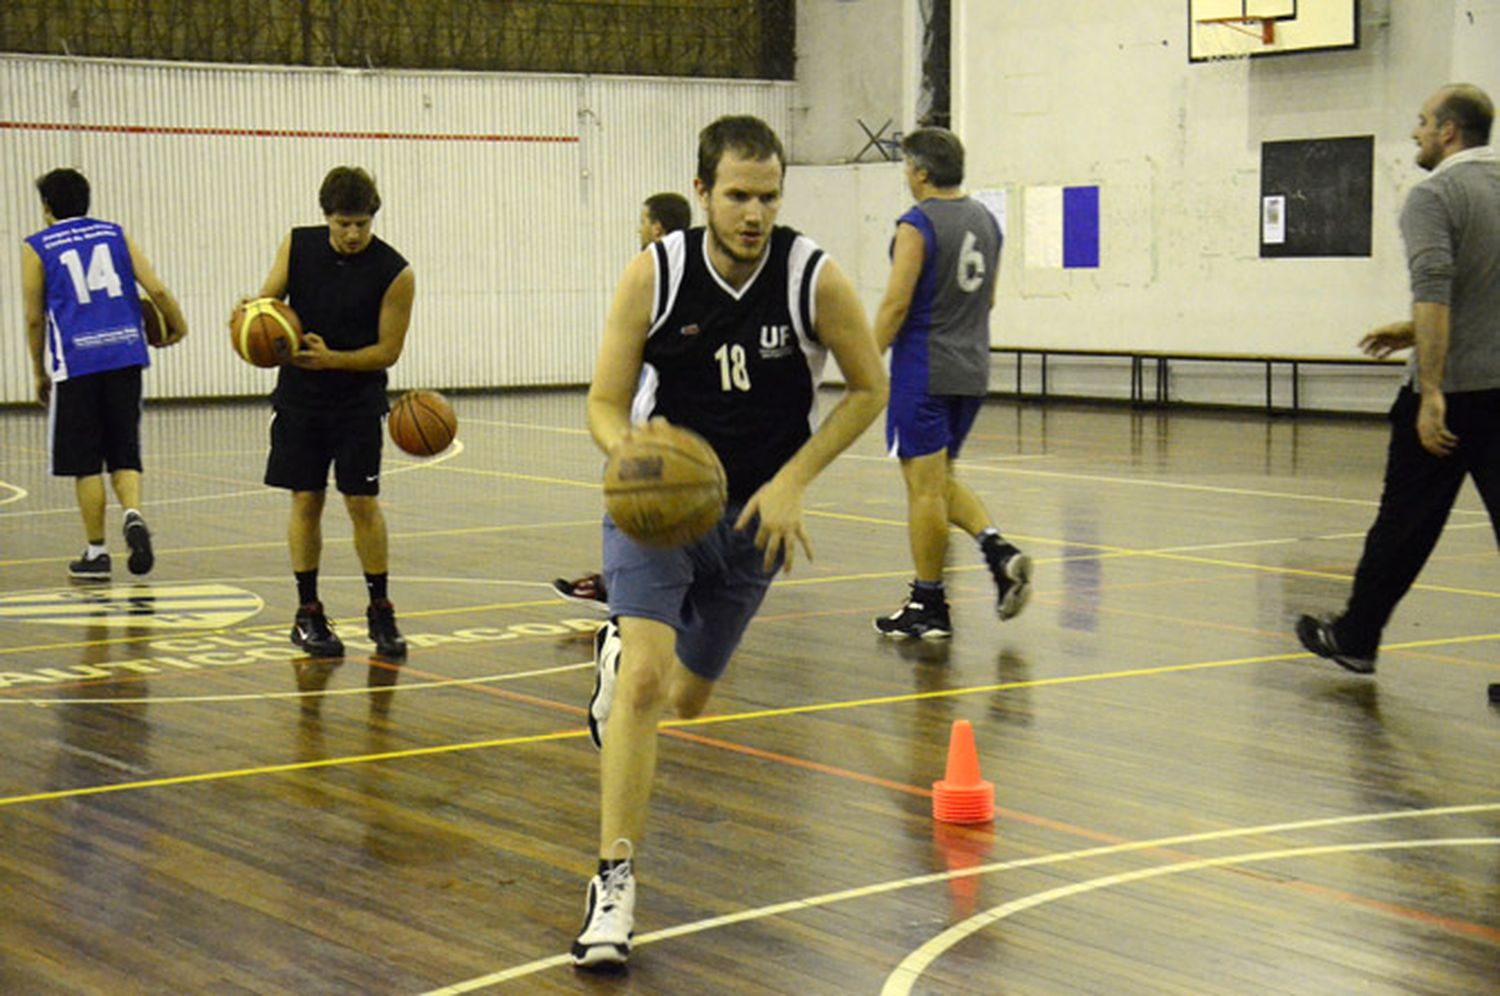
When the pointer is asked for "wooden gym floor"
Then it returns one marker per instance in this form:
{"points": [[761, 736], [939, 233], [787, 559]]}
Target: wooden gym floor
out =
{"points": [[1188, 803]]}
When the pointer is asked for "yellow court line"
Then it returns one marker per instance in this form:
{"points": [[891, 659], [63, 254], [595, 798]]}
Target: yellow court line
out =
{"points": [[526, 425], [281, 543], [1072, 679], [530, 478], [398, 467], [415, 686], [713, 720], [191, 634], [1182, 486], [278, 769]]}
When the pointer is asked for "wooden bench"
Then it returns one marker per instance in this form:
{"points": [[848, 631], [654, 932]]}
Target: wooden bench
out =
{"points": [[1161, 361]]}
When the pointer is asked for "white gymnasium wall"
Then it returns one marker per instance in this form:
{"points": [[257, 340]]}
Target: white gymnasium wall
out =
{"points": [[1082, 92], [514, 197]]}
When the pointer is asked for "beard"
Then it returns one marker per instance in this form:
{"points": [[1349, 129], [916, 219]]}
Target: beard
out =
{"points": [[731, 248]]}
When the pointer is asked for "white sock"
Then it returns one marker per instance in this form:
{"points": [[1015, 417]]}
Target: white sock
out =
{"points": [[95, 551], [131, 511], [985, 534]]}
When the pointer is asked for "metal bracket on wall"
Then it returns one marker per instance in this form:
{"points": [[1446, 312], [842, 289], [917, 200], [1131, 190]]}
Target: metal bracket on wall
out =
{"points": [[889, 148]]}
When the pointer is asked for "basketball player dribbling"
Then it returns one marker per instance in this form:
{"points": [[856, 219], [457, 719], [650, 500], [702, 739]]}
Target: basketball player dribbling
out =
{"points": [[723, 330]]}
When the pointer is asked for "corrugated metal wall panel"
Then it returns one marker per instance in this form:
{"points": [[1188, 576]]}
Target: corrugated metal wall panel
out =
{"points": [[514, 197]]}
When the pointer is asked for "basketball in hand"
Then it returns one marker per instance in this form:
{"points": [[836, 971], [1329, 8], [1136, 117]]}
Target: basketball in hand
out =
{"points": [[664, 485], [153, 322], [265, 332], [422, 423]]}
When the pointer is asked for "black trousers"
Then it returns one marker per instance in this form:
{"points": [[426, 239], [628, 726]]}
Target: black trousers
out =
{"points": [[1414, 505]]}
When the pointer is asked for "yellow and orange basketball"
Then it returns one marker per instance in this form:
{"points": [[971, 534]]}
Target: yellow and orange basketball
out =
{"points": [[422, 423], [664, 485], [265, 332]]}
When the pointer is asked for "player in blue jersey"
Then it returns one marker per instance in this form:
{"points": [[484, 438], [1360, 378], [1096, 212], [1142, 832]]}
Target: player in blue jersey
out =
{"points": [[661, 215], [721, 329], [88, 347], [936, 317]]}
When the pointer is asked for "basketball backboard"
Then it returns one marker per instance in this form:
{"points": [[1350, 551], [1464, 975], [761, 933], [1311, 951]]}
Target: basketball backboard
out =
{"points": [[1232, 29]]}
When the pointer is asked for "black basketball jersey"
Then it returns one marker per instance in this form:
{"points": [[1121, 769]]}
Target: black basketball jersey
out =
{"points": [[739, 367], [338, 297]]}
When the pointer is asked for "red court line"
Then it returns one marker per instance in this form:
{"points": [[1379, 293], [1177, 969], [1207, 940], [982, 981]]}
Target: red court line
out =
{"points": [[379, 136]]}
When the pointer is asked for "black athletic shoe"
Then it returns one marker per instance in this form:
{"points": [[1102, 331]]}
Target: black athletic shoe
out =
{"points": [[587, 590], [1318, 637], [314, 633], [138, 538], [381, 617], [1011, 570], [86, 569], [917, 619]]}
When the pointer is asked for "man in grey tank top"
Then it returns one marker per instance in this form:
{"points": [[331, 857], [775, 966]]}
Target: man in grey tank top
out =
{"points": [[935, 316], [1446, 421]]}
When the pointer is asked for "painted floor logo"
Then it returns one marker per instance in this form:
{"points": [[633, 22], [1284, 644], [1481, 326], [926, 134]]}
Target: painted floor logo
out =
{"points": [[136, 606]]}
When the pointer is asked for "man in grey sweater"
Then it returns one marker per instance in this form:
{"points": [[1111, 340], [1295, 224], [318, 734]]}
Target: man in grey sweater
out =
{"points": [[1446, 421]]}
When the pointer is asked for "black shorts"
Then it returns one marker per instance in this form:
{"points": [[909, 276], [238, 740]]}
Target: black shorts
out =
{"points": [[94, 423], [303, 444]]}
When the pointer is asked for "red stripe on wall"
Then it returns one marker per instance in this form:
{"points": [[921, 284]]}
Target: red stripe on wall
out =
{"points": [[380, 136]]}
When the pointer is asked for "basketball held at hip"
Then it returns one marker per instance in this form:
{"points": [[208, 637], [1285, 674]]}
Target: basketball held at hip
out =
{"points": [[265, 332], [664, 485], [153, 322], [422, 423]]}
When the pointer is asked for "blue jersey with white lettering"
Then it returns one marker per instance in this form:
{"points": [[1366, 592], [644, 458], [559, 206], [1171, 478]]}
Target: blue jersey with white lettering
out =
{"points": [[740, 367], [93, 307]]}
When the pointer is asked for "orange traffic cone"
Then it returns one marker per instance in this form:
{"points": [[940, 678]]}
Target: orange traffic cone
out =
{"points": [[962, 796]]}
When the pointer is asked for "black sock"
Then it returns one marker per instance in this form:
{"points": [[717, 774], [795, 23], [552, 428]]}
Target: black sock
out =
{"points": [[307, 586], [930, 592], [375, 585]]}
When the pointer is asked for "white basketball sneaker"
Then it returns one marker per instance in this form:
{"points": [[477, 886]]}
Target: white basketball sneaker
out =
{"points": [[606, 669], [609, 918]]}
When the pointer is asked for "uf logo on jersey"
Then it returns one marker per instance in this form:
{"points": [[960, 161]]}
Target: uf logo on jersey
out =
{"points": [[775, 341]]}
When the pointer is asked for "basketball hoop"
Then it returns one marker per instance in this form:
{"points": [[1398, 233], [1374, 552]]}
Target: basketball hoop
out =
{"points": [[1261, 27]]}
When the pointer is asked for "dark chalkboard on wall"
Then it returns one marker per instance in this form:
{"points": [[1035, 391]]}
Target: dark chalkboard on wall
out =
{"points": [[1316, 196]]}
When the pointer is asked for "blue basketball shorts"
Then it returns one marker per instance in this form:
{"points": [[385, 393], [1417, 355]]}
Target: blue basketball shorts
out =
{"points": [[919, 424], [707, 591]]}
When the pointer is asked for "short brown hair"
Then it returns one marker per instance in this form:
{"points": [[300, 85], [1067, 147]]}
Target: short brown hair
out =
{"points": [[348, 190], [748, 136]]}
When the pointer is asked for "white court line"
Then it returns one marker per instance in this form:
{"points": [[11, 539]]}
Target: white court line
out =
{"points": [[404, 467], [796, 905], [20, 493], [251, 696], [901, 979]]}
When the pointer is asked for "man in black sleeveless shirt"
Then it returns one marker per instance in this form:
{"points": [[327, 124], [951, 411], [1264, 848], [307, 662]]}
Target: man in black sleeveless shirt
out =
{"points": [[723, 330], [353, 293]]}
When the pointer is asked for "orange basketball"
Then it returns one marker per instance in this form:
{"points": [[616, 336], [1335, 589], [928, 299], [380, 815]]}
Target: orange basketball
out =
{"points": [[422, 423], [664, 486], [265, 332], [153, 322]]}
